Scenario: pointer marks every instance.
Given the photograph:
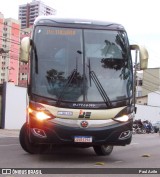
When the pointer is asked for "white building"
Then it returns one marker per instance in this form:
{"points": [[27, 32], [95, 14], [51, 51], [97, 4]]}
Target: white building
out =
{"points": [[151, 111], [28, 12]]}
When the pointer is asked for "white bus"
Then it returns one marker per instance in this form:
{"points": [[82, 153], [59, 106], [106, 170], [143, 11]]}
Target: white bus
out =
{"points": [[81, 85]]}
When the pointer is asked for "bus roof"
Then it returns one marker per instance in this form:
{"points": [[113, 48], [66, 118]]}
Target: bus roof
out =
{"points": [[82, 23]]}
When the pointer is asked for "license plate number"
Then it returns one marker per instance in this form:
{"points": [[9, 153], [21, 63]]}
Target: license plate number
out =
{"points": [[83, 139]]}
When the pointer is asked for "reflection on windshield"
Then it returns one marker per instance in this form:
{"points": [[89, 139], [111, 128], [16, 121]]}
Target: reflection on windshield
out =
{"points": [[69, 62]]}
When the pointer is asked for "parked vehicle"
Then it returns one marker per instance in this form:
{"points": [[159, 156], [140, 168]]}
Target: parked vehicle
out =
{"points": [[148, 126], [156, 126], [138, 127]]}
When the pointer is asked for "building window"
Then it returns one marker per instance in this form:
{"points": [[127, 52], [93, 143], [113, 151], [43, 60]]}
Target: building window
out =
{"points": [[139, 93], [139, 83], [5, 34]]}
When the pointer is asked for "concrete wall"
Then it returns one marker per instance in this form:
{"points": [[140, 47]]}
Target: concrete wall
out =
{"points": [[15, 106], [151, 111], [147, 112], [154, 98]]}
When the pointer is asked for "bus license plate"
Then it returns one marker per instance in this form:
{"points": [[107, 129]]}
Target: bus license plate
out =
{"points": [[83, 139]]}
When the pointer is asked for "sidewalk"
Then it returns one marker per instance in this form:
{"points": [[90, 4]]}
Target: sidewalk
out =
{"points": [[9, 133]]}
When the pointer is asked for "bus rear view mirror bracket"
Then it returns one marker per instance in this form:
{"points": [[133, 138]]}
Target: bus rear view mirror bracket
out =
{"points": [[143, 55]]}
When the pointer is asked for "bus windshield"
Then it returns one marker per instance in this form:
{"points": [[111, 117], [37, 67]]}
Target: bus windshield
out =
{"points": [[78, 65]]}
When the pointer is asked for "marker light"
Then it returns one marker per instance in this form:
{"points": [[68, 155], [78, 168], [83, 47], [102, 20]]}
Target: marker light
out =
{"points": [[123, 118], [30, 110]]}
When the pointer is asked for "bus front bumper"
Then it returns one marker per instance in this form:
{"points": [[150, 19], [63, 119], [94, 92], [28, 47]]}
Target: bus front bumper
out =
{"points": [[119, 134]]}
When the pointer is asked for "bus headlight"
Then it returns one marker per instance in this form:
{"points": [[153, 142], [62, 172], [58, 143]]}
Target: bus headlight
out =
{"points": [[39, 112], [42, 116], [123, 118]]}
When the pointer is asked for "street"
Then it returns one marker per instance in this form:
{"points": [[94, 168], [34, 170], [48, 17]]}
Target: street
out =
{"points": [[143, 152]]}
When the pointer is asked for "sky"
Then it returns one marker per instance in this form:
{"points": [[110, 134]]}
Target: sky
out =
{"points": [[139, 17]]}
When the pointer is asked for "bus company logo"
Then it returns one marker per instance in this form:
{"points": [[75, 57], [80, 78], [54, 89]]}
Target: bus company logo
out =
{"points": [[84, 124], [83, 114]]}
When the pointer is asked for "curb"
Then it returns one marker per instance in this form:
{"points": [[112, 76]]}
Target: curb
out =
{"points": [[9, 132]]}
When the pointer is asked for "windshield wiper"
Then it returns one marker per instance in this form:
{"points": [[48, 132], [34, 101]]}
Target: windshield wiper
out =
{"points": [[101, 89], [71, 77], [99, 86]]}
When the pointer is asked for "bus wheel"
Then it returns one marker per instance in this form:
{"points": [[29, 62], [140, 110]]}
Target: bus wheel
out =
{"points": [[103, 150], [26, 144]]}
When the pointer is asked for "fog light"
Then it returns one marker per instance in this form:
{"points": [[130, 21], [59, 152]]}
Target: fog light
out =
{"points": [[40, 132], [125, 135]]}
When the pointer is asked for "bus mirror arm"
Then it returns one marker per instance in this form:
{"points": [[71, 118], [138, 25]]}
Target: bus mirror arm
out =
{"points": [[135, 110], [29, 89]]}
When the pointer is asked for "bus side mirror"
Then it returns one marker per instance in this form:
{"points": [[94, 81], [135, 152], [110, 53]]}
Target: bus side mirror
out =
{"points": [[143, 55], [24, 49]]}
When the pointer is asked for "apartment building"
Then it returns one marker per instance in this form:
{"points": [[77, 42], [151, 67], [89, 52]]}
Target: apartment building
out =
{"points": [[9, 45], [1, 49], [148, 82], [28, 12]]}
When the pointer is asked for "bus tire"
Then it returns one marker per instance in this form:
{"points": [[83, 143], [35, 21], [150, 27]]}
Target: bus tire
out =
{"points": [[26, 144], [103, 150]]}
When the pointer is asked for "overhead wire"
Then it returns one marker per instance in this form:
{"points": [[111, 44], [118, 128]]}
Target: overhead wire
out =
{"points": [[5, 39], [15, 28]]}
